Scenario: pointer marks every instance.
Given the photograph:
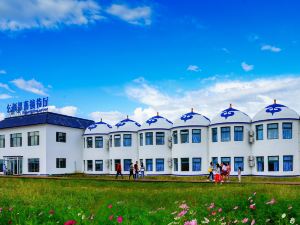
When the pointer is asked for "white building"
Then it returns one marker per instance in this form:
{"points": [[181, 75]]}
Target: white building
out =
{"points": [[49, 143]]}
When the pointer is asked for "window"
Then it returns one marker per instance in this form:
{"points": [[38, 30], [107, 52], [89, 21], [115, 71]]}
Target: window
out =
{"points": [[185, 164], [175, 164], [273, 131], [33, 138], [127, 140], [16, 140], [99, 142], [110, 140], [214, 161], [175, 137], [117, 161], [196, 164], [160, 138], [238, 133], [226, 160], [99, 165], [149, 138], [259, 132], [184, 135], [89, 142], [61, 137], [141, 139], [196, 136], [1, 165], [89, 165], [214, 133], [160, 165], [287, 163], [61, 162], [238, 162], [83, 142], [287, 130], [273, 163], [149, 165], [34, 165], [117, 140], [225, 134], [2, 141], [260, 164], [127, 163]]}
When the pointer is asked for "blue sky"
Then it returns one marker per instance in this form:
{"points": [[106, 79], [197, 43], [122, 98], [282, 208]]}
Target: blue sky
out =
{"points": [[110, 59]]}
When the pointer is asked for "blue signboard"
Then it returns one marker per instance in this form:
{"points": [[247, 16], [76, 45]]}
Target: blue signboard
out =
{"points": [[28, 107]]}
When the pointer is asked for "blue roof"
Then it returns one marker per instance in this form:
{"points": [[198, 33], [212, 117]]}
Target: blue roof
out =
{"points": [[45, 118]]}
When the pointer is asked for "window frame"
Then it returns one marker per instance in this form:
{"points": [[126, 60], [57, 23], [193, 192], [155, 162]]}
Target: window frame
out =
{"points": [[259, 129], [99, 142], [61, 163], [185, 164], [99, 162], [214, 134], [260, 161], [196, 135], [269, 130], [288, 161], [149, 138], [36, 165], [185, 133], [238, 134], [194, 163], [228, 131], [175, 137], [16, 140], [2, 141], [269, 161], [89, 142], [61, 137], [160, 136], [117, 140], [162, 164], [287, 129], [127, 137], [237, 163]]}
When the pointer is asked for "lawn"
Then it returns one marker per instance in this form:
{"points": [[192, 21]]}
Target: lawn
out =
{"points": [[93, 201]]}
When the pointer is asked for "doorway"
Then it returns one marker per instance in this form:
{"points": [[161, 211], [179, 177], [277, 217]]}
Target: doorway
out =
{"points": [[13, 165]]}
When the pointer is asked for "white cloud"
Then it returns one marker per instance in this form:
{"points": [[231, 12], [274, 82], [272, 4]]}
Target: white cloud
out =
{"points": [[32, 86], [139, 16], [193, 68], [270, 48], [67, 110], [247, 67], [5, 86], [248, 96], [19, 15], [5, 96], [2, 72], [2, 116]]}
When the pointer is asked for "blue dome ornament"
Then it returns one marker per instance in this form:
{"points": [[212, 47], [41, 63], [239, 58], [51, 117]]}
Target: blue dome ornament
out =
{"points": [[188, 116], [154, 119], [123, 122], [93, 126], [228, 112], [274, 108]]}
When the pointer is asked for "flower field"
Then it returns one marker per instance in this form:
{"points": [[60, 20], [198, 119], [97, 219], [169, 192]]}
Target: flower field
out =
{"points": [[82, 201]]}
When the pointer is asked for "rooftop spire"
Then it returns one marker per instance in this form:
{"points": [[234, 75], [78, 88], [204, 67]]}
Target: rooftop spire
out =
{"points": [[275, 101], [157, 113], [192, 109], [101, 120], [230, 105], [127, 117]]}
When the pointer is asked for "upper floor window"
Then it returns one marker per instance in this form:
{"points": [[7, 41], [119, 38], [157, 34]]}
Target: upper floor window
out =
{"points": [[160, 138], [273, 131], [33, 138], [184, 136], [175, 137], [238, 133], [287, 130], [259, 132], [2, 141], [110, 140], [99, 142], [117, 140], [196, 135], [61, 163], [89, 142], [225, 134], [149, 138], [61, 137], [16, 140], [214, 134], [141, 139], [127, 140]]}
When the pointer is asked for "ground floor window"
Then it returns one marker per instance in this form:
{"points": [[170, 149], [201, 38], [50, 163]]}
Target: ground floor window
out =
{"points": [[89, 165], [60, 162], [99, 165], [196, 164], [260, 164], [214, 161], [34, 165], [226, 160], [117, 161], [1, 165], [238, 163], [287, 163], [160, 165], [175, 164], [149, 164], [127, 163], [185, 164], [273, 163]]}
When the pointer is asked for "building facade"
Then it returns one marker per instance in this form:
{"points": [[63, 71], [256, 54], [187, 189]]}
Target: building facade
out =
{"points": [[47, 143]]}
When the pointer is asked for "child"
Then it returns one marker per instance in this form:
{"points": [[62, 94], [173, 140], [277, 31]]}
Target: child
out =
{"points": [[218, 173], [240, 174]]}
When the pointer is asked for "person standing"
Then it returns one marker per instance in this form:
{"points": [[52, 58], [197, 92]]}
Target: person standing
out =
{"points": [[210, 171], [240, 174], [4, 169], [131, 171], [119, 171], [136, 170], [218, 173], [142, 170], [228, 168]]}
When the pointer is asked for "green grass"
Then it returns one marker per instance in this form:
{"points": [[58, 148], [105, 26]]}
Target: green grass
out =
{"points": [[139, 203]]}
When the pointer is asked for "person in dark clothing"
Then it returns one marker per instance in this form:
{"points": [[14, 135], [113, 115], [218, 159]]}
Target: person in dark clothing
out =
{"points": [[131, 171], [119, 171], [136, 170]]}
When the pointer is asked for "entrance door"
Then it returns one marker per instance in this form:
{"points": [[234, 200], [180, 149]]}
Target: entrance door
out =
{"points": [[13, 165]]}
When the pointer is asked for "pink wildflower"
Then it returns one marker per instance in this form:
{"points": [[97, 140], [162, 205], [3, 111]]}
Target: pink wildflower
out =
{"points": [[253, 222], [11, 209], [192, 222], [213, 213], [109, 206], [212, 205], [182, 213], [111, 217], [120, 219], [70, 222], [1, 210], [253, 207], [220, 210], [183, 206], [254, 193], [245, 220], [272, 202], [51, 211]]}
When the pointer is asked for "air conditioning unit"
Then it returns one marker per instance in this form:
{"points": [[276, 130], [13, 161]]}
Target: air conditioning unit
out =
{"points": [[251, 161], [170, 162], [170, 143], [251, 137]]}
